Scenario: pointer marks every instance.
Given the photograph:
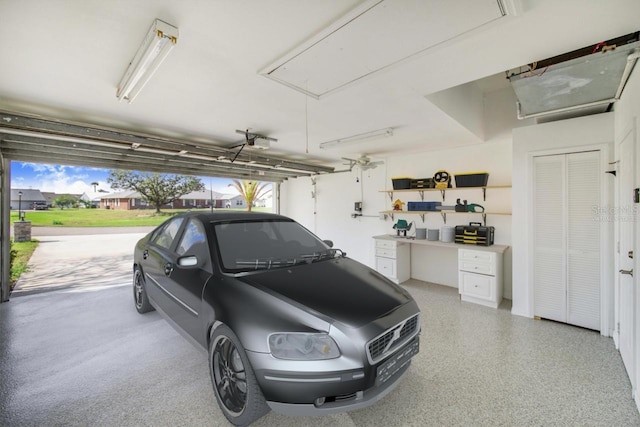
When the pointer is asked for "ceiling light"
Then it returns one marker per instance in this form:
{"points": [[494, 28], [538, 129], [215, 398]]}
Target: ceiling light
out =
{"points": [[158, 42], [358, 138]]}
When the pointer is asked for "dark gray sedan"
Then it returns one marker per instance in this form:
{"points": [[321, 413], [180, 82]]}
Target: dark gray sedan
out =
{"points": [[290, 323]]}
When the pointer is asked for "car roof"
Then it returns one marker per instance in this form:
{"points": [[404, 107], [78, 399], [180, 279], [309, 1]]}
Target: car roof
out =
{"points": [[217, 216]]}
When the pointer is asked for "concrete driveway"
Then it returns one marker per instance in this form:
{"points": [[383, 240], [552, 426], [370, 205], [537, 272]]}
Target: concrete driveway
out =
{"points": [[78, 262]]}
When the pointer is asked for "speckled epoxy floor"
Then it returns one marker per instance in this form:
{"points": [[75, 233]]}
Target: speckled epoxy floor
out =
{"points": [[85, 357]]}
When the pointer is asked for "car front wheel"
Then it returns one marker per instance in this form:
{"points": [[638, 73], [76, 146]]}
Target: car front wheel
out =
{"points": [[140, 297], [235, 385]]}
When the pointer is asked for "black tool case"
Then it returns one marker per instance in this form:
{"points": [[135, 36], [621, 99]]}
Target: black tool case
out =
{"points": [[475, 234]]}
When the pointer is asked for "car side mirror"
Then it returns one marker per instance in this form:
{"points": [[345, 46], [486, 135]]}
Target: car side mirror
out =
{"points": [[188, 261], [328, 243]]}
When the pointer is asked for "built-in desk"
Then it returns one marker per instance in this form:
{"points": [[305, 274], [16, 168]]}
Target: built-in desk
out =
{"points": [[480, 277]]}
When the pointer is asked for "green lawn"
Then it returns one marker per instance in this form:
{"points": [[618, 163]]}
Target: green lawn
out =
{"points": [[100, 217], [20, 253]]}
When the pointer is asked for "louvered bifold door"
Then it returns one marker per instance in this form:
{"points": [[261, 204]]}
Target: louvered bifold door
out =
{"points": [[549, 258], [566, 257], [583, 239]]}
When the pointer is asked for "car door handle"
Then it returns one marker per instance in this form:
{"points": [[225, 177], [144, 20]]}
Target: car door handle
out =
{"points": [[145, 254], [168, 269], [629, 272]]}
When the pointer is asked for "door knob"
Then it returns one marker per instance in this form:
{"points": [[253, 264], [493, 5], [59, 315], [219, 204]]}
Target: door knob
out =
{"points": [[629, 272]]}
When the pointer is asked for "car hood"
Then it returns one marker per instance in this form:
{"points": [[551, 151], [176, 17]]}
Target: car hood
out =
{"points": [[342, 289]]}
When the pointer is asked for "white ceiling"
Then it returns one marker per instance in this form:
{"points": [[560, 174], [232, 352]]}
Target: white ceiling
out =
{"points": [[64, 58]]}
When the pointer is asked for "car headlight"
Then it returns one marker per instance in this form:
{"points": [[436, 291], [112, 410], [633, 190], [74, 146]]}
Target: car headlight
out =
{"points": [[303, 346]]}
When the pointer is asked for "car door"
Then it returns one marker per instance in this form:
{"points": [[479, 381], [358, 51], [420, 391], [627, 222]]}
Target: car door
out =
{"points": [[191, 269], [157, 264]]}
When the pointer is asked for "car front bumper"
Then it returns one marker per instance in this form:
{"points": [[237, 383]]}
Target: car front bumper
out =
{"points": [[318, 393]]}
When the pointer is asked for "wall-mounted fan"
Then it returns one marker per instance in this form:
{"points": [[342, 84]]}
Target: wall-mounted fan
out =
{"points": [[252, 140], [363, 162]]}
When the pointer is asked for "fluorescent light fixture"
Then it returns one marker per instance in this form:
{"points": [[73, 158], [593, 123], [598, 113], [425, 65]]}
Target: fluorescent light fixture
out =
{"points": [[158, 42], [357, 138]]}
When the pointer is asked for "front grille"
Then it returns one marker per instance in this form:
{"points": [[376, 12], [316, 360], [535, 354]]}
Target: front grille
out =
{"points": [[392, 339]]}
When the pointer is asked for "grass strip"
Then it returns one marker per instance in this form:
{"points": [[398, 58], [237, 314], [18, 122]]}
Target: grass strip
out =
{"points": [[21, 253]]}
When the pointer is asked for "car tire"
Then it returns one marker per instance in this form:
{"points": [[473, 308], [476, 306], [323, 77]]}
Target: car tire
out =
{"points": [[234, 382], [140, 297]]}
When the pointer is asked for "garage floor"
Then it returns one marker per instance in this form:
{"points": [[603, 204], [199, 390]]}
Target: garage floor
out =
{"points": [[82, 355]]}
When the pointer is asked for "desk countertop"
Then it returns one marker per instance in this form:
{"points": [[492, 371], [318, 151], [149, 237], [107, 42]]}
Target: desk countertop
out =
{"points": [[493, 248]]}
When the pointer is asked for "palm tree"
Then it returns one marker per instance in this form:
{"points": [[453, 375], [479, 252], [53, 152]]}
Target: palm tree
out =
{"points": [[95, 186], [250, 190]]}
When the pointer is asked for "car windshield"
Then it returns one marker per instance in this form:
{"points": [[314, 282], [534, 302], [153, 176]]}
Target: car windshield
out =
{"points": [[259, 245]]}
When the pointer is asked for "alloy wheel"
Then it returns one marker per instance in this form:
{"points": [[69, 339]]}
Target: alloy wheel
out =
{"points": [[230, 376], [138, 290]]}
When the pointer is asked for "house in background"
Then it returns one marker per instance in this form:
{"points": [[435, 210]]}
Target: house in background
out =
{"points": [[49, 196], [199, 199], [232, 201], [123, 200], [93, 198], [23, 199], [128, 200]]}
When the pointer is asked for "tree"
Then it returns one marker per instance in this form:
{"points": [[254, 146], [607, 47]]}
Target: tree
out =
{"points": [[156, 189], [251, 190], [65, 201]]}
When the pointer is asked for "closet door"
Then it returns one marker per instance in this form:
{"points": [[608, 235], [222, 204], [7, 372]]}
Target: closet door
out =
{"points": [[549, 260], [583, 239], [566, 277]]}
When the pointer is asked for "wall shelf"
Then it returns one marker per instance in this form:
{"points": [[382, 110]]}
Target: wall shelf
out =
{"points": [[443, 214], [443, 191]]}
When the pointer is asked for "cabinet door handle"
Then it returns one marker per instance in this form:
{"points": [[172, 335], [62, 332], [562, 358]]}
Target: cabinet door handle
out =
{"points": [[629, 272]]}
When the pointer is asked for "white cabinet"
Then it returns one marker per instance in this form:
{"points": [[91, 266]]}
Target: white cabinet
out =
{"points": [[480, 277], [393, 259]]}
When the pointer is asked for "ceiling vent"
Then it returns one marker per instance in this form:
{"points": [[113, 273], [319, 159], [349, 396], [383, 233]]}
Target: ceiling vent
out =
{"points": [[582, 82]]}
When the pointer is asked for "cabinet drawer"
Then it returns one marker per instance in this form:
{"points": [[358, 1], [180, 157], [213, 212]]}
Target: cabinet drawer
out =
{"points": [[477, 267], [476, 256], [385, 244], [388, 253], [478, 286], [386, 266]]}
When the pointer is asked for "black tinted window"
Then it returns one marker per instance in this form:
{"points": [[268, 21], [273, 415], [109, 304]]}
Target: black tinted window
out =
{"points": [[164, 237], [192, 239], [265, 244], [194, 242]]}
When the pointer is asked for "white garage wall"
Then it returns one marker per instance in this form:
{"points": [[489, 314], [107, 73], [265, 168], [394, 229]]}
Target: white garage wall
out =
{"points": [[627, 111], [336, 194]]}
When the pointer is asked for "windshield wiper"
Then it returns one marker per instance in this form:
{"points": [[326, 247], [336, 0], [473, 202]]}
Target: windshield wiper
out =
{"points": [[328, 254], [268, 263]]}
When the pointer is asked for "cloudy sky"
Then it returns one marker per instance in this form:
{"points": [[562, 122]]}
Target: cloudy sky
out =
{"points": [[77, 180]]}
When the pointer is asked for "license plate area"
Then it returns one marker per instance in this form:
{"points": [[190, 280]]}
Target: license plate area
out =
{"points": [[397, 361]]}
